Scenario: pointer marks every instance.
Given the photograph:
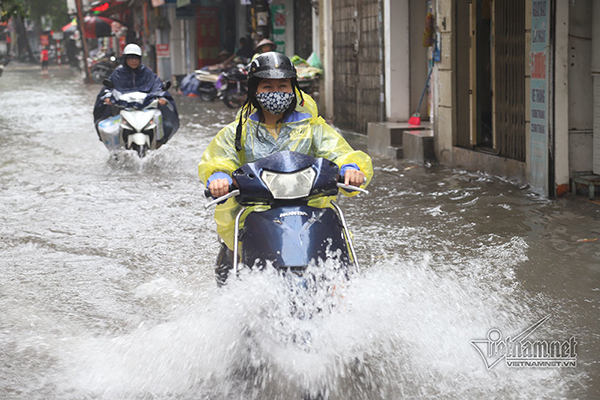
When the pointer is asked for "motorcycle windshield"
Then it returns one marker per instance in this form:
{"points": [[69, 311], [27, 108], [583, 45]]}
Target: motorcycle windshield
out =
{"points": [[133, 97], [138, 119], [286, 175]]}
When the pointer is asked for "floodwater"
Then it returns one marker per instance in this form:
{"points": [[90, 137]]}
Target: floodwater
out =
{"points": [[107, 288]]}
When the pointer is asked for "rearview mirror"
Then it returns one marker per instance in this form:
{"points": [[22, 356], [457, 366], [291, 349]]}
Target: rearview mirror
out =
{"points": [[108, 83], [167, 85]]}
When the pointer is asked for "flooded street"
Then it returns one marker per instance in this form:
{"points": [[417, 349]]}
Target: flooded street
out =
{"points": [[107, 288]]}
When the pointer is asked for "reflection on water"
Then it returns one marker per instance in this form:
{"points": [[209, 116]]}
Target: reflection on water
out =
{"points": [[107, 286]]}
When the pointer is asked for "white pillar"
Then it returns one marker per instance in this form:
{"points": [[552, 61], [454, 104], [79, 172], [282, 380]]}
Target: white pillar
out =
{"points": [[289, 28], [327, 60], [316, 29], [596, 73], [561, 95], [397, 61]]}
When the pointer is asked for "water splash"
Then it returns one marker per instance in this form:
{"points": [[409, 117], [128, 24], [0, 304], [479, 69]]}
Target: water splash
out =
{"points": [[398, 330]]}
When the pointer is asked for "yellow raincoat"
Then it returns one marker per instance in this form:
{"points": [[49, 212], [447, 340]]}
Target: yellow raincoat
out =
{"points": [[304, 132]]}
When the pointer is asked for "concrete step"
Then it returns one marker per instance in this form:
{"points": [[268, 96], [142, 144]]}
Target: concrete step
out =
{"points": [[387, 139], [417, 145]]}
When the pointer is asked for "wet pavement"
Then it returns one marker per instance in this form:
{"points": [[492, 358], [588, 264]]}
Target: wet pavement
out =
{"points": [[107, 288]]}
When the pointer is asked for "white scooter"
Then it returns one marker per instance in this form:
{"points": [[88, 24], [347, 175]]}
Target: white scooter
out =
{"points": [[139, 124]]}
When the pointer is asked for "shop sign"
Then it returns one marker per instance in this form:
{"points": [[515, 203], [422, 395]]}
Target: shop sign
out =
{"points": [[163, 50]]}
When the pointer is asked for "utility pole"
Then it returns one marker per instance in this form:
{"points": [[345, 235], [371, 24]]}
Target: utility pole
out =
{"points": [[80, 22]]}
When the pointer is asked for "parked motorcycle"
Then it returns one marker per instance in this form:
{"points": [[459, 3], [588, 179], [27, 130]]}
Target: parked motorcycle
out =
{"points": [[3, 63], [207, 89], [140, 124], [101, 68], [290, 235], [232, 86]]}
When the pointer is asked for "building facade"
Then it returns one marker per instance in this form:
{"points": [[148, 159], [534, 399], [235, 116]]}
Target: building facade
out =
{"points": [[514, 83], [506, 87]]}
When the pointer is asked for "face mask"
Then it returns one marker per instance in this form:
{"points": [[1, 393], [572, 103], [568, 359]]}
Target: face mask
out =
{"points": [[275, 102]]}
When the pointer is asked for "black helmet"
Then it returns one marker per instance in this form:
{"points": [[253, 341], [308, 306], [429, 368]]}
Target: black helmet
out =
{"points": [[272, 65], [269, 65]]}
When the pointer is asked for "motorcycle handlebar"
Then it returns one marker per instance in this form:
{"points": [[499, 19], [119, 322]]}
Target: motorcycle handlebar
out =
{"points": [[340, 179], [232, 193], [207, 192], [350, 188]]}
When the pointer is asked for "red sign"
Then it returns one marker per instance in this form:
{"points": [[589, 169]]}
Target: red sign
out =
{"points": [[44, 40], [209, 42], [163, 51], [100, 8], [538, 70]]}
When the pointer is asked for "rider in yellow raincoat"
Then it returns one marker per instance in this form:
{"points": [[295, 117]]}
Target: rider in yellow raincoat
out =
{"points": [[276, 116]]}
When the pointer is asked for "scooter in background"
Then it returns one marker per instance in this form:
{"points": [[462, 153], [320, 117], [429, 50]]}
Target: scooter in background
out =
{"points": [[139, 126], [232, 86], [207, 89], [101, 68]]}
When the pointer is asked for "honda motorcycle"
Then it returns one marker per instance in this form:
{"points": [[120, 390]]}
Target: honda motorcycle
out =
{"points": [[309, 249], [140, 125], [290, 235]]}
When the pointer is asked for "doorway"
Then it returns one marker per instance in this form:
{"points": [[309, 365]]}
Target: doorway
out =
{"points": [[490, 76]]}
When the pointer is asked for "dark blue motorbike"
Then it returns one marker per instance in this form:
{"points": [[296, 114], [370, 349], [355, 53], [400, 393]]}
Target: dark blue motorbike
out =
{"points": [[290, 235]]}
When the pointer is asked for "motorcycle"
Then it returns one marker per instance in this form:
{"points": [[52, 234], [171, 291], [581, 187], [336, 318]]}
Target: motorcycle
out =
{"points": [[308, 250], [139, 126], [232, 86], [3, 63], [207, 89], [291, 235], [103, 67]]}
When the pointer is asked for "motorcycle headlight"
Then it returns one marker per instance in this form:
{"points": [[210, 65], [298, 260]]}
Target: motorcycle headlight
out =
{"points": [[293, 185]]}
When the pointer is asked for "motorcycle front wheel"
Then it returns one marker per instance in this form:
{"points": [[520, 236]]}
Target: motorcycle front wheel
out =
{"points": [[140, 150]]}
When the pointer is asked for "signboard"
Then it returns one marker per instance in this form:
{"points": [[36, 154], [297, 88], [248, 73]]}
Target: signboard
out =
{"points": [[279, 21], [163, 50], [44, 40], [539, 138], [209, 41], [58, 36]]}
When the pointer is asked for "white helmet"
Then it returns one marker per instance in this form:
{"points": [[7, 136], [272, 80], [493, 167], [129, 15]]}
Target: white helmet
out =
{"points": [[132, 49]]}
